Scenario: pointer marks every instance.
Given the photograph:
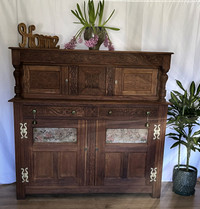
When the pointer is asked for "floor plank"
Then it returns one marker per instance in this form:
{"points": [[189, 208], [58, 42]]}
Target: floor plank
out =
{"points": [[168, 200]]}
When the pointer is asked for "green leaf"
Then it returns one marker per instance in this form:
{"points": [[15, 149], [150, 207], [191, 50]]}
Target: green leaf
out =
{"points": [[112, 28], [174, 100], [109, 17], [196, 133], [198, 90], [175, 145], [80, 13], [178, 93], [175, 138], [101, 10], [184, 143], [91, 12], [180, 85], [171, 134], [192, 89], [97, 11], [85, 12], [77, 15]]}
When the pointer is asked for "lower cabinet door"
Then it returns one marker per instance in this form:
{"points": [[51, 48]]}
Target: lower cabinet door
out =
{"points": [[56, 156], [126, 155]]}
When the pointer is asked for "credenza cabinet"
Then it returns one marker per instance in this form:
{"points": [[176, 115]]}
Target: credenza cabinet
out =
{"points": [[89, 121]]}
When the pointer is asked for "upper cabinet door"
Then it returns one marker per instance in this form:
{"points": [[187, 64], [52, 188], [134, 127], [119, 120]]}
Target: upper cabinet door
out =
{"points": [[92, 80], [136, 82], [42, 80]]}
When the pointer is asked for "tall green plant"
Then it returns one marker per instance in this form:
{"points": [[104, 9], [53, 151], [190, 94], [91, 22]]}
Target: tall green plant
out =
{"points": [[184, 112], [91, 17]]}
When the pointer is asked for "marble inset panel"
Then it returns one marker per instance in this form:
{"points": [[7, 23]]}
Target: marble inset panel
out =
{"points": [[126, 135], [55, 134]]}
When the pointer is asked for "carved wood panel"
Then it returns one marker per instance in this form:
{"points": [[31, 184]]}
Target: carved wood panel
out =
{"points": [[73, 80], [133, 81], [42, 80], [92, 80]]}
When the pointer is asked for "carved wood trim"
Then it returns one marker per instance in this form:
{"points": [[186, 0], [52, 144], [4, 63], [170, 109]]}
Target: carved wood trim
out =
{"points": [[110, 81], [73, 80]]}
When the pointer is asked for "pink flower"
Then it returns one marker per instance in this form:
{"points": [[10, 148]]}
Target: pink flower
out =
{"points": [[106, 41], [110, 46], [92, 41], [80, 40], [71, 44]]}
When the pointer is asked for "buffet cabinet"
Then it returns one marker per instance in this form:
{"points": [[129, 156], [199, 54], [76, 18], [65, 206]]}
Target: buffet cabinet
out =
{"points": [[89, 121]]}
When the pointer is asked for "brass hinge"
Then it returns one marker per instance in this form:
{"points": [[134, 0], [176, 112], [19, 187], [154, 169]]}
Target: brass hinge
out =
{"points": [[23, 130], [24, 175], [156, 132], [153, 174]]}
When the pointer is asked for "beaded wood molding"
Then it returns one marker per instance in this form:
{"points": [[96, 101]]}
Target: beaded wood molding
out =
{"points": [[36, 40]]}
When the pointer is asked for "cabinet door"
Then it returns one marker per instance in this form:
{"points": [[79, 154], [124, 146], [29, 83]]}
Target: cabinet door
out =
{"points": [[92, 80], [126, 153], [136, 82], [56, 156], [43, 81]]}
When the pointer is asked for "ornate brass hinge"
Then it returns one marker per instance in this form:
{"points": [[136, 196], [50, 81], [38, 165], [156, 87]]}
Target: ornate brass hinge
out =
{"points": [[156, 132], [24, 175], [153, 174], [23, 130]]}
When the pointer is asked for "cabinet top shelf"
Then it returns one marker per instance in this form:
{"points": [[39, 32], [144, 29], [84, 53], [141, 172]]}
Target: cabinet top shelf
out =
{"points": [[91, 51]]}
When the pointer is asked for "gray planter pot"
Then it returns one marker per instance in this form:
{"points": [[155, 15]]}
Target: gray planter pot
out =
{"points": [[184, 181]]}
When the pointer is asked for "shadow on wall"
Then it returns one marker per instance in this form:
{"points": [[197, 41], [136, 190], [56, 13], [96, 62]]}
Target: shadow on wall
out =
{"points": [[7, 157]]}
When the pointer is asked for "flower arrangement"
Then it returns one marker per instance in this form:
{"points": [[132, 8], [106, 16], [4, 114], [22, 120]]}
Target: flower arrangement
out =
{"points": [[94, 28]]}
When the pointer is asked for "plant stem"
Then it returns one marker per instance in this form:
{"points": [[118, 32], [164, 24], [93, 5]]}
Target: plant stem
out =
{"points": [[188, 158], [179, 155]]}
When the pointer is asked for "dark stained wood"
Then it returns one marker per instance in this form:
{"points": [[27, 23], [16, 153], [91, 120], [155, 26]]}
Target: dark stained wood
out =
{"points": [[133, 81], [113, 165], [101, 74], [136, 164], [90, 91]]}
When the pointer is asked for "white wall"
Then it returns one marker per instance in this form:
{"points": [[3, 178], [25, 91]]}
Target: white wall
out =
{"points": [[145, 25]]}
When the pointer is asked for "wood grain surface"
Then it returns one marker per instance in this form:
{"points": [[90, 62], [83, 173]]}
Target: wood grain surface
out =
{"points": [[168, 200]]}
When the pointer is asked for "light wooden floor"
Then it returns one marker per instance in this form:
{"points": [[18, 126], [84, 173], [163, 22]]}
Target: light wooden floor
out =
{"points": [[100, 201]]}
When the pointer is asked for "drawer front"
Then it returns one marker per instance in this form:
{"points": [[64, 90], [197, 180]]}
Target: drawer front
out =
{"points": [[95, 112], [53, 111], [128, 113]]}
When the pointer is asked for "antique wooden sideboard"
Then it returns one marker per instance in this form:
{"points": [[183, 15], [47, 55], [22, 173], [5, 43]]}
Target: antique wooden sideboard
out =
{"points": [[89, 121]]}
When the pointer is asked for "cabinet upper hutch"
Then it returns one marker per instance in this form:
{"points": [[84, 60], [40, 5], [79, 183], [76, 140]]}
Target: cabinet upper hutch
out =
{"points": [[89, 121]]}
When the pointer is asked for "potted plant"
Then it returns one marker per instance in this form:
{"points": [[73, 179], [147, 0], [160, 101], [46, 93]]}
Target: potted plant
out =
{"points": [[184, 112], [93, 26]]}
